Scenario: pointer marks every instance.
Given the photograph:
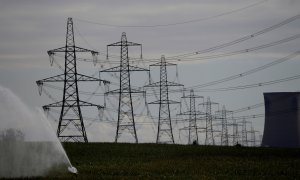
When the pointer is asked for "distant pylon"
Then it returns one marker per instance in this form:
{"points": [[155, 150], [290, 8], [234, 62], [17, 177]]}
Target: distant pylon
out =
{"points": [[244, 132], [70, 125], [209, 132], [235, 134], [253, 139], [164, 129], [192, 117], [224, 131], [125, 110]]}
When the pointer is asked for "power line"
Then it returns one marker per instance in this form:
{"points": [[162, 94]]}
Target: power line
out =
{"points": [[251, 85], [248, 108], [257, 105], [179, 57], [251, 71], [243, 51], [176, 23], [243, 74], [289, 20]]}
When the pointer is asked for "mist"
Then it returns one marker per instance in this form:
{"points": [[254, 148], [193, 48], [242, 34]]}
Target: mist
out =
{"points": [[28, 144]]}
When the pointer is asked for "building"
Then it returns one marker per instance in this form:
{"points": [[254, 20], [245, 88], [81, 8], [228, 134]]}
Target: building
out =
{"points": [[282, 120]]}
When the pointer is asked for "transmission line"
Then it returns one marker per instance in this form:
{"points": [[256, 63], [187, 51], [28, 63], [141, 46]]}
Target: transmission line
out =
{"points": [[251, 71], [240, 75], [176, 23], [251, 85], [289, 20], [179, 57], [243, 51]]}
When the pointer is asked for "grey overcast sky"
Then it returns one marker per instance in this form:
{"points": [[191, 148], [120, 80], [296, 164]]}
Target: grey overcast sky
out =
{"points": [[28, 28]]}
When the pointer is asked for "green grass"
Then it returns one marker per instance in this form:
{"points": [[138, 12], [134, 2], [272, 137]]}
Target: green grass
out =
{"points": [[152, 161]]}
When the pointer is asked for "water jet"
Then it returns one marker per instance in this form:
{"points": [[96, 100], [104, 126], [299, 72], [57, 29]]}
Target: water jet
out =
{"points": [[29, 146]]}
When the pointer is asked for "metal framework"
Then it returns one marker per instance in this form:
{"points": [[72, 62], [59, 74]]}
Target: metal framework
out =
{"points": [[70, 125], [235, 132], [223, 115], [209, 133], [244, 132], [192, 114], [125, 110], [253, 139], [164, 129], [235, 136]]}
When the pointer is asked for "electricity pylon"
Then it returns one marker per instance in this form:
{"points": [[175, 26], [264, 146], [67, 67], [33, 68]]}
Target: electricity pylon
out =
{"points": [[209, 132], [164, 129], [234, 134], [244, 132], [192, 117], [223, 115], [125, 110], [253, 139], [70, 125]]}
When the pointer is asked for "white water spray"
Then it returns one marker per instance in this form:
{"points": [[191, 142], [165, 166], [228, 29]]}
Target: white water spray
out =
{"points": [[28, 144]]}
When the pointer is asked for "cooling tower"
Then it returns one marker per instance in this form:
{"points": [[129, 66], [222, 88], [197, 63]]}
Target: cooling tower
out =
{"points": [[282, 120]]}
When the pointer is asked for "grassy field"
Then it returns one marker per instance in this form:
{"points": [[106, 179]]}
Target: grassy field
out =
{"points": [[152, 161]]}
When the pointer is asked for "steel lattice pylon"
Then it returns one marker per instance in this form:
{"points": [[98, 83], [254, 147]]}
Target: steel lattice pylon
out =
{"points": [[70, 125], [224, 132], [192, 118], [253, 139], [244, 132], [209, 132], [164, 129], [125, 110], [235, 133]]}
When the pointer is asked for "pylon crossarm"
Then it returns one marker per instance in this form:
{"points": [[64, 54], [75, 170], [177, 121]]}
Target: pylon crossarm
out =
{"points": [[71, 48], [136, 91], [61, 49], [134, 68], [56, 104], [60, 104], [212, 103], [57, 78], [173, 84], [187, 128], [118, 69], [83, 103], [157, 84], [126, 44], [193, 96], [46, 108], [115, 44], [81, 77], [117, 91], [164, 102], [113, 69], [132, 44], [79, 49], [194, 112], [163, 64]]}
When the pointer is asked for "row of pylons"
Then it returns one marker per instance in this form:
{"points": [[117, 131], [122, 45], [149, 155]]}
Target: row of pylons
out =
{"points": [[71, 125]]}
